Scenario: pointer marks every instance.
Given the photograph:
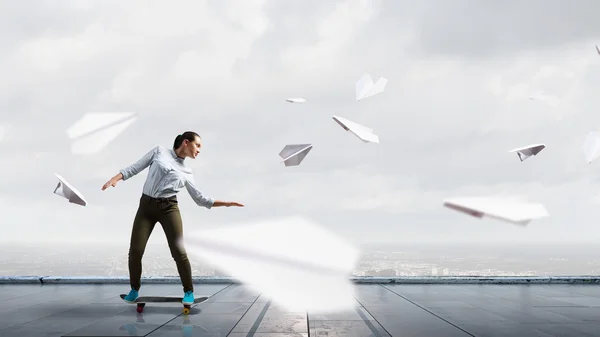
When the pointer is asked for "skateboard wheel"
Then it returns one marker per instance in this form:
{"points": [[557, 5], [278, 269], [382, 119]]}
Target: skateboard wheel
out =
{"points": [[186, 311], [139, 309]]}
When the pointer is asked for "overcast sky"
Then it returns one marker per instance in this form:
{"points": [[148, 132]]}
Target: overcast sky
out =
{"points": [[460, 74]]}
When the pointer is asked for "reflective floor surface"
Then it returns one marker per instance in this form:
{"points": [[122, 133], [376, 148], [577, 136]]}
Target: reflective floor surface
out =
{"points": [[234, 310]]}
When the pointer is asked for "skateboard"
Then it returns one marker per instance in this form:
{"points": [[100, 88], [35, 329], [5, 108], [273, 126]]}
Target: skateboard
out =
{"points": [[142, 300]]}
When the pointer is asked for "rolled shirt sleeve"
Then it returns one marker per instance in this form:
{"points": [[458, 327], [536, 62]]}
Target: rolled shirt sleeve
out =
{"points": [[139, 165], [197, 195]]}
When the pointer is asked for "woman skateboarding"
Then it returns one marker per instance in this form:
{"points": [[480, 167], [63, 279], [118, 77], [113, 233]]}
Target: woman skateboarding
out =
{"points": [[167, 176]]}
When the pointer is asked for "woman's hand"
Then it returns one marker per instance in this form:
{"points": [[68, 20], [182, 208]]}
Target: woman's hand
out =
{"points": [[111, 182]]}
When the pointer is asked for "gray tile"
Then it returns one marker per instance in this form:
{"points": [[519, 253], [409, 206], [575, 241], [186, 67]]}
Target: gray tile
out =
{"points": [[347, 329], [569, 330], [271, 334], [445, 304], [396, 325], [9, 291], [197, 325], [51, 326], [577, 313], [29, 310], [463, 315], [586, 290], [280, 322], [586, 301], [488, 330], [228, 308], [531, 315], [235, 293], [356, 314], [124, 324]]}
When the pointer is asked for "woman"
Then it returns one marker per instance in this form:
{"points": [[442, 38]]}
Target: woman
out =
{"points": [[167, 175]]}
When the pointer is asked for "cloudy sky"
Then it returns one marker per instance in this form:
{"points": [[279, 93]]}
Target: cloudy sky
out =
{"points": [[459, 73]]}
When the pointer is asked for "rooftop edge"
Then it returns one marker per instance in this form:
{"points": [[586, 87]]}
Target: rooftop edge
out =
{"points": [[354, 279]]}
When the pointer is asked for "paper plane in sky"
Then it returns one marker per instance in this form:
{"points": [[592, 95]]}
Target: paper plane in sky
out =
{"points": [[67, 191], [362, 132], [271, 256], [513, 210], [366, 88], [591, 146], [94, 131], [294, 154], [296, 100], [598, 49], [528, 151]]}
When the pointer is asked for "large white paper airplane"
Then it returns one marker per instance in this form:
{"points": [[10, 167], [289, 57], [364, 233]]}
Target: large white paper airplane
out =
{"points": [[294, 154], [591, 146], [67, 191], [515, 210], [296, 100], [598, 49], [528, 151], [366, 88], [272, 257], [362, 132], [94, 131]]}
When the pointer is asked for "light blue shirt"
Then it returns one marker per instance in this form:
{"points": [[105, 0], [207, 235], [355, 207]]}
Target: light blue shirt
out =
{"points": [[167, 176]]}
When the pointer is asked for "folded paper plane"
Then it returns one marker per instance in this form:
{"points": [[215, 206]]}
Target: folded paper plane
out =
{"points": [[272, 257], [362, 132], [513, 210], [591, 146], [67, 191], [94, 131], [598, 49], [296, 100], [528, 151], [294, 154], [366, 88]]}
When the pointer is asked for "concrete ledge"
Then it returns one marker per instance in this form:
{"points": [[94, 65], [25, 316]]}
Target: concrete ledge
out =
{"points": [[479, 280], [354, 279]]}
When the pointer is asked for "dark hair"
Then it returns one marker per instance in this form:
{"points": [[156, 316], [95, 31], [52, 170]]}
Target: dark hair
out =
{"points": [[189, 135]]}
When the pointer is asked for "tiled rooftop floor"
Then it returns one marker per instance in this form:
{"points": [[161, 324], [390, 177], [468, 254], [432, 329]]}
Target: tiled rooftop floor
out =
{"points": [[235, 310]]}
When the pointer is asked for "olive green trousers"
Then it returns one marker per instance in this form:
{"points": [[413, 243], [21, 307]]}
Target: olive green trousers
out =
{"points": [[166, 212]]}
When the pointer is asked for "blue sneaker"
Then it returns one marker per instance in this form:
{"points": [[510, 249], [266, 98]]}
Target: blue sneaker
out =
{"points": [[132, 296], [188, 298]]}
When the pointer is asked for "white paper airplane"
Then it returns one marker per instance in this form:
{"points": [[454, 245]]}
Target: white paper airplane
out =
{"points": [[528, 151], [515, 210], [296, 100], [294, 154], [94, 131], [591, 146], [366, 88], [598, 49], [67, 191], [272, 257], [362, 132]]}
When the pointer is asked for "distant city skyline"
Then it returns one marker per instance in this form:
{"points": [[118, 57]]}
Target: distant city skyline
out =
{"points": [[385, 260]]}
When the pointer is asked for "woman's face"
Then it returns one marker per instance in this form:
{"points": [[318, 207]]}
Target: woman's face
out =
{"points": [[192, 148]]}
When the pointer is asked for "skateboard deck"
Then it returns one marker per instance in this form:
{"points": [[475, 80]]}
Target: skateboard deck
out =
{"points": [[142, 300]]}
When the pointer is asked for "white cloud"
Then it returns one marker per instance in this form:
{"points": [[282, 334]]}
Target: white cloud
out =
{"points": [[446, 121]]}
